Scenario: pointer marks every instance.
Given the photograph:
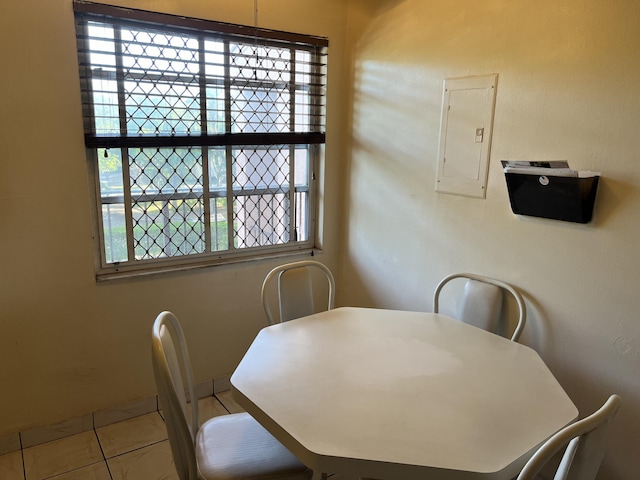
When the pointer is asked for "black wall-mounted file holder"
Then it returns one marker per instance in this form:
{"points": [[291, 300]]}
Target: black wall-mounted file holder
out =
{"points": [[570, 199]]}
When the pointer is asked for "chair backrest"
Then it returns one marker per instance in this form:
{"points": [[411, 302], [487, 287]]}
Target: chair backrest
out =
{"points": [[295, 289], [585, 443], [481, 302], [174, 380]]}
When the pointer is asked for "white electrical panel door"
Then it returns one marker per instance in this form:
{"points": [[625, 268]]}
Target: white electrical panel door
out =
{"points": [[465, 135]]}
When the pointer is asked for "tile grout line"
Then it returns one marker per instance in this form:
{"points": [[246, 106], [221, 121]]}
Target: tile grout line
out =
{"points": [[104, 460], [158, 442], [224, 381], [53, 477], [222, 403], [24, 468], [104, 457]]}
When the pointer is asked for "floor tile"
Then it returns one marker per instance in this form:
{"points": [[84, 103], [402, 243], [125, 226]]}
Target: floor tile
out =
{"points": [[228, 401], [59, 456], [210, 407], [154, 462], [11, 466], [131, 434], [135, 449], [97, 471]]}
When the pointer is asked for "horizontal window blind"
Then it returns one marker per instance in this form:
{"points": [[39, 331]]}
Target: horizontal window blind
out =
{"points": [[160, 63]]}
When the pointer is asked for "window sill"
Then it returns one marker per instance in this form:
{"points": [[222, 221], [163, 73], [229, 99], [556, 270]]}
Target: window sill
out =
{"points": [[163, 267]]}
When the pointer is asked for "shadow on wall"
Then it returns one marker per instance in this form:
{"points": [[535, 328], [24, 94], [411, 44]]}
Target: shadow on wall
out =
{"points": [[378, 7], [613, 195], [587, 389]]}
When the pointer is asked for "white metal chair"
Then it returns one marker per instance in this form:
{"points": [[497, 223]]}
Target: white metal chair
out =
{"points": [[481, 302], [585, 443], [226, 447], [295, 289]]}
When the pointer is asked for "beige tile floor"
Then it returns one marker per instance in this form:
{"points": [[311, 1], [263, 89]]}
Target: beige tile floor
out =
{"points": [[134, 449]]}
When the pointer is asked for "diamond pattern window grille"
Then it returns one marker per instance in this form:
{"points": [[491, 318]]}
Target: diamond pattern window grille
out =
{"points": [[203, 138], [261, 179]]}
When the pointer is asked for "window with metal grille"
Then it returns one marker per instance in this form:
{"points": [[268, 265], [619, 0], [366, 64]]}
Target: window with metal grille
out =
{"points": [[203, 137]]}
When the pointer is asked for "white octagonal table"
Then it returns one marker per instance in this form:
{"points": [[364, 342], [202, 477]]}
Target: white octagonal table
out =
{"points": [[400, 395]]}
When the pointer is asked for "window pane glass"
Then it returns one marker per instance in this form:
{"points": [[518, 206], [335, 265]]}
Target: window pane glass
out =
{"points": [[261, 184], [112, 199], [301, 207], [218, 200], [260, 93], [302, 98], [115, 233], [110, 173], [216, 117], [301, 169], [161, 85], [155, 171], [218, 170], [102, 61], [215, 70], [214, 60], [303, 67], [167, 203], [167, 229], [260, 110], [219, 224]]}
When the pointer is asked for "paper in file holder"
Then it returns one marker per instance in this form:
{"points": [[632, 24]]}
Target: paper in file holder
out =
{"points": [[551, 190]]}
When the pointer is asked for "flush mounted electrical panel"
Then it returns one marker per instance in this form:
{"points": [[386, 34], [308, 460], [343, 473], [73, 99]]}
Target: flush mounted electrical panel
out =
{"points": [[468, 105]]}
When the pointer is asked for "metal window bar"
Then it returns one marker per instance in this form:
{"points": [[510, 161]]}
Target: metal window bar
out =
{"points": [[293, 236], [204, 122], [228, 150]]}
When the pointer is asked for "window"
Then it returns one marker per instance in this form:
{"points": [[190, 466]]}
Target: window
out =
{"points": [[203, 137]]}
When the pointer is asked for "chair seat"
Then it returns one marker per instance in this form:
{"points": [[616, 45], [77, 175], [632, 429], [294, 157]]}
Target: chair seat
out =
{"points": [[236, 446]]}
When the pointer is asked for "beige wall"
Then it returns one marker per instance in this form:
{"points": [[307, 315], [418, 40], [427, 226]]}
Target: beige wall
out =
{"points": [[567, 89], [567, 72], [69, 346]]}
